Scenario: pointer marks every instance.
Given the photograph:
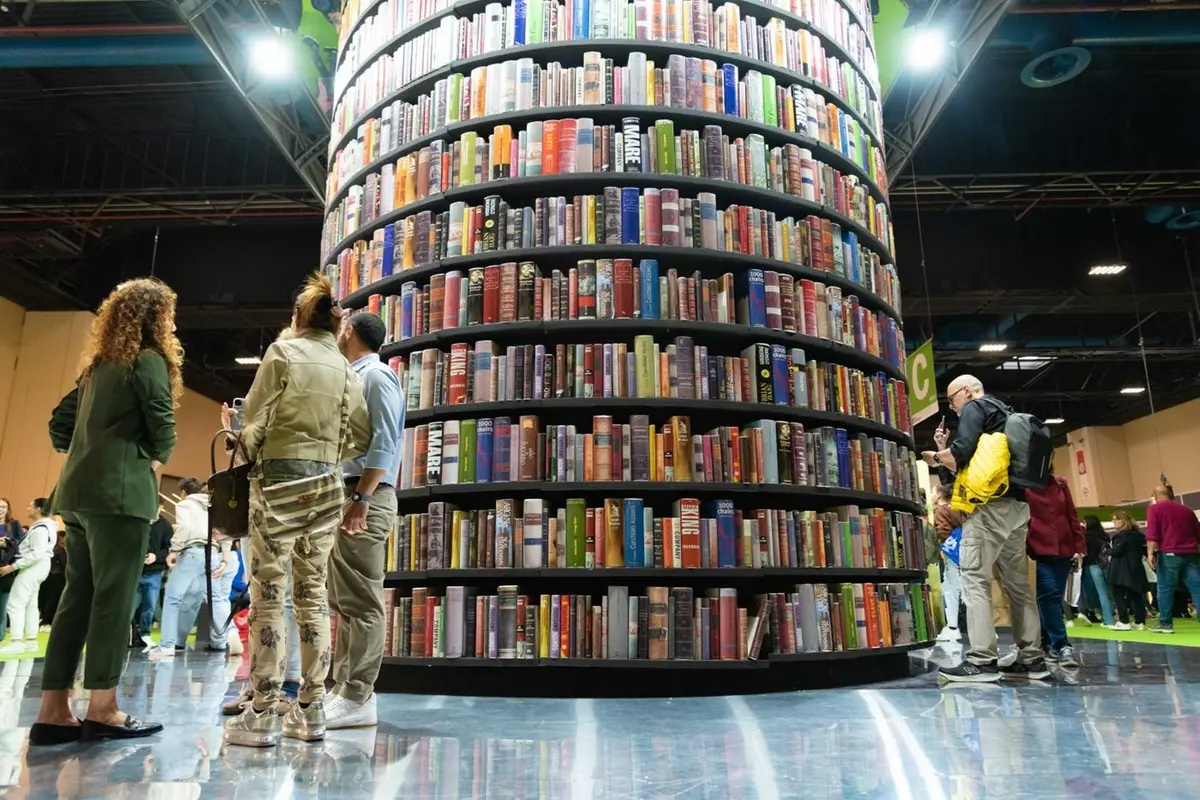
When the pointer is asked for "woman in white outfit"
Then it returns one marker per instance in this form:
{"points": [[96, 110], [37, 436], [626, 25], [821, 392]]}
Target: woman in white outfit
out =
{"points": [[32, 566]]}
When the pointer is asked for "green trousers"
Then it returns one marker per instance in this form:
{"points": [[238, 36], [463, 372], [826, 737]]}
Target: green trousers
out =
{"points": [[105, 556]]}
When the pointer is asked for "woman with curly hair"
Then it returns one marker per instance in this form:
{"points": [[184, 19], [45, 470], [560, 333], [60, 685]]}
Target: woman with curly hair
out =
{"points": [[121, 431], [304, 415]]}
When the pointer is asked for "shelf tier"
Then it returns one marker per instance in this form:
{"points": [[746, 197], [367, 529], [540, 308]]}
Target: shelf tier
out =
{"points": [[571, 51], [651, 575], [613, 114], [467, 8], [555, 331], [711, 263], [561, 677], [813, 497], [518, 191], [701, 412]]}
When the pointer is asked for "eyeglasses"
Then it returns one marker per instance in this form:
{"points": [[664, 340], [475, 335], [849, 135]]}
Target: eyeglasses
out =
{"points": [[950, 397]]}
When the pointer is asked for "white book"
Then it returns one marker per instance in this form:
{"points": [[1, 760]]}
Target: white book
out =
{"points": [[524, 83], [495, 88], [535, 541], [455, 622], [508, 79], [406, 465], [533, 163], [493, 27], [450, 452], [584, 139]]}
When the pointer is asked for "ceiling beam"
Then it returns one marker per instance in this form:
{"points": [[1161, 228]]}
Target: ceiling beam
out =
{"points": [[1031, 302], [1060, 354]]}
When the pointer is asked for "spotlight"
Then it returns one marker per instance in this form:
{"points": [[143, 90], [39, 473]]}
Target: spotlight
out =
{"points": [[1133, 390], [1055, 421], [248, 361], [1106, 270], [926, 49], [993, 347], [271, 57]]}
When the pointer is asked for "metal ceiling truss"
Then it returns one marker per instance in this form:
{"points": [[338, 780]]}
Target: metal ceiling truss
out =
{"points": [[968, 25], [1061, 354], [1025, 191], [1042, 302], [290, 114]]}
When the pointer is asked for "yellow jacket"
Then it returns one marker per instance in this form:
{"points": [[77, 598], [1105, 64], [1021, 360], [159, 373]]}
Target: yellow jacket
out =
{"points": [[985, 476]]}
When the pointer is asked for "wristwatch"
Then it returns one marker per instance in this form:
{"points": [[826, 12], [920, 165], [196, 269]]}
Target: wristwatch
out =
{"points": [[359, 497]]}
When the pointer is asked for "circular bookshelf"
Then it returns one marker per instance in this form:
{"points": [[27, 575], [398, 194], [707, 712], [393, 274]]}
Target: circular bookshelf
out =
{"points": [[682, 462]]}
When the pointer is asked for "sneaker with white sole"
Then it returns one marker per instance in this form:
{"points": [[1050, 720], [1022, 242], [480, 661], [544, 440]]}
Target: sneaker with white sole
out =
{"points": [[1008, 658], [148, 640], [966, 672], [1161, 629], [342, 712], [1140, 626], [1067, 657], [253, 728], [162, 654], [306, 724], [949, 634], [1034, 671], [17, 646], [1121, 626]]}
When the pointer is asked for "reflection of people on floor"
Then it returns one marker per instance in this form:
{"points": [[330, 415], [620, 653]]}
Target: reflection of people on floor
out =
{"points": [[14, 677], [56, 581]]}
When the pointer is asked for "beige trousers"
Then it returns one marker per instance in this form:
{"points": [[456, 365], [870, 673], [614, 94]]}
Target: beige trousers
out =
{"points": [[994, 536]]}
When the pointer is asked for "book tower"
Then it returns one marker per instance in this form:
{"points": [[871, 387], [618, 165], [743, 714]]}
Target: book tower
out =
{"points": [[635, 262]]}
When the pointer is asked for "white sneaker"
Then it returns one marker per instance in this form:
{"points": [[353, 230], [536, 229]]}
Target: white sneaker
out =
{"points": [[341, 712], [1139, 627], [1009, 658], [148, 640], [32, 647], [15, 646], [162, 654], [1070, 623], [1121, 626], [949, 634], [236, 648]]}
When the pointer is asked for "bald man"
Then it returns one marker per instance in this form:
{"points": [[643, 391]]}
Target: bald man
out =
{"points": [[1173, 543], [993, 536]]}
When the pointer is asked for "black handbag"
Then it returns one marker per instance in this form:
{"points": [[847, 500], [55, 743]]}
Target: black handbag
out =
{"points": [[228, 509]]}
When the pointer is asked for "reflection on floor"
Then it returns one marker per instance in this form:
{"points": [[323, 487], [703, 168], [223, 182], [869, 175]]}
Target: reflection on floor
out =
{"points": [[1123, 726]]}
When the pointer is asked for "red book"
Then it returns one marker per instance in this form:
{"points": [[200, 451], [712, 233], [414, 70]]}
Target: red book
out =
{"points": [[871, 601], [653, 206], [437, 299], [566, 145], [550, 147], [491, 294], [623, 293], [450, 301], [589, 367], [590, 533], [810, 307], [728, 625], [688, 511], [508, 292], [564, 627], [480, 627], [431, 608], [538, 291], [459, 355]]}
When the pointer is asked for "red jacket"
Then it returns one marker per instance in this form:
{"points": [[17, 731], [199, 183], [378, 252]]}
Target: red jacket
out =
{"points": [[1054, 527]]}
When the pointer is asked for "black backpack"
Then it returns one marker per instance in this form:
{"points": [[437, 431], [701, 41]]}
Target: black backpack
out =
{"points": [[1029, 448]]}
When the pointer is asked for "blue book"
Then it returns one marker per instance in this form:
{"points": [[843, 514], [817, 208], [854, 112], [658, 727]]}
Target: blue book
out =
{"points": [[843, 134], [648, 272], [722, 510], [754, 294], [854, 267], [793, 550], [520, 14], [843, 458], [406, 309], [389, 248], [632, 518], [730, 83], [630, 218], [483, 450], [779, 375], [501, 450]]}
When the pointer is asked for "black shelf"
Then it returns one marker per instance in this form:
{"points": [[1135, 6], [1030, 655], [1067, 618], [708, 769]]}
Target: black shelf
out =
{"points": [[571, 51], [654, 491], [367, 10], [518, 191], [564, 330], [711, 262], [831, 46], [607, 575], [665, 406], [613, 114]]}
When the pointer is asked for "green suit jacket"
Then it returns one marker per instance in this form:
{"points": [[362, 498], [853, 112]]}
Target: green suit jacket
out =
{"points": [[125, 420]]}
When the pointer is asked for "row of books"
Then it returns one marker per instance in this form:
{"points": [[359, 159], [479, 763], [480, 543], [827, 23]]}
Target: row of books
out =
{"points": [[614, 289], [392, 19], [521, 84], [576, 146], [762, 374], [666, 623], [618, 216], [624, 532], [800, 52], [397, 15], [763, 452]]}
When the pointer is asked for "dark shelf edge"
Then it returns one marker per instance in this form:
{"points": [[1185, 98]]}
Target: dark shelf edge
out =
{"points": [[865, 296], [840, 354], [419, 85], [639, 574], [681, 115], [472, 410]]}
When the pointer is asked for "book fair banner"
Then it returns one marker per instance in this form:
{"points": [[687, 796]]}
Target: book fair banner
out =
{"points": [[922, 383]]}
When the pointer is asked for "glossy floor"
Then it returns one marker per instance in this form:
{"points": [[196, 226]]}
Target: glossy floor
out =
{"points": [[1124, 726]]}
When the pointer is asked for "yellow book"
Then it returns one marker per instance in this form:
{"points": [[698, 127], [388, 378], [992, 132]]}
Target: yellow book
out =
{"points": [[614, 539], [544, 626], [654, 450], [466, 159], [646, 365], [455, 551], [649, 92], [681, 447], [660, 468], [414, 527]]}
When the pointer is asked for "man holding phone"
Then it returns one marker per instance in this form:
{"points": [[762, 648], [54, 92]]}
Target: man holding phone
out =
{"points": [[993, 536]]}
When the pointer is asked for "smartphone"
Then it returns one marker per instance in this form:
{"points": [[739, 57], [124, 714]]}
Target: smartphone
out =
{"points": [[236, 422]]}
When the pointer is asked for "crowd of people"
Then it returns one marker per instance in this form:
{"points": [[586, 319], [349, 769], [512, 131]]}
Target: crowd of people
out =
{"points": [[1008, 524]]}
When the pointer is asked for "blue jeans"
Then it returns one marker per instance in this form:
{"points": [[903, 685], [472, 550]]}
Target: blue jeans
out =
{"points": [[1096, 575], [185, 592], [1170, 569], [149, 586], [1052, 575], [218, 636]]}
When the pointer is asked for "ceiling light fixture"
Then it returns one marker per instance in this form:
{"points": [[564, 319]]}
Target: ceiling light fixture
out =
{"points": [[1106, 270], [271, 57], [248, 361], [993, 347], [1055, 421], [926, 49], [1133, 390]]}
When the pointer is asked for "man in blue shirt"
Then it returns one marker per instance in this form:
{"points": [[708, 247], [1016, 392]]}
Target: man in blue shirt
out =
{"points": [[356, 565]]}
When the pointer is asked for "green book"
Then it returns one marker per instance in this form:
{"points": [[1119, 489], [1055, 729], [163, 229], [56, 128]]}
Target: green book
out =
{"points": [[920, 628], [454, 100], [466, 159], [466, 451], [849, 626], [533, 27], [770, 111], [576, 532], [757, 148], [664, 131], [647, 365], [847, 543]]}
